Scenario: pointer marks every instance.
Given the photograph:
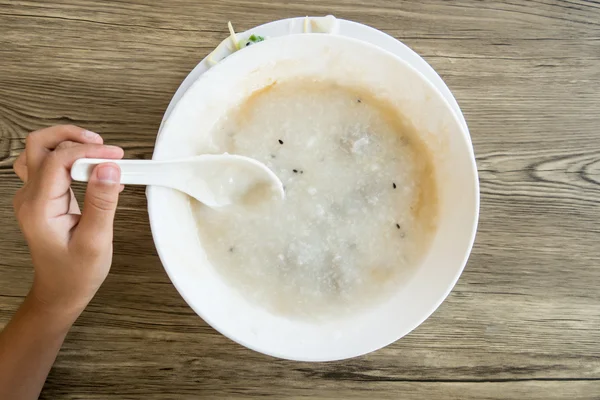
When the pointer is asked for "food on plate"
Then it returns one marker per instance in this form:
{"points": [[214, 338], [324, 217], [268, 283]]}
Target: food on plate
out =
{"points": [[360, 208]]}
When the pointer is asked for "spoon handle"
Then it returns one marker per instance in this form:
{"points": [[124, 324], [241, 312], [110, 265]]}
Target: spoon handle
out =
{"points": [[133, 172]]}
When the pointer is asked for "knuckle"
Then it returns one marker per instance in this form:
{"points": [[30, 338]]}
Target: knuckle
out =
{"points": [[52, 159], [20, 160], [67, 144], [31, 139], [103, 201], [25, 213], [68, 127], [20, 171], [95, 248], [17, 165]]}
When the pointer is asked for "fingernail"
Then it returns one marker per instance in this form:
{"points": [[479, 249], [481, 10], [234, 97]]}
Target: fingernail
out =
{"points": [[108, 173], [91, 135]]}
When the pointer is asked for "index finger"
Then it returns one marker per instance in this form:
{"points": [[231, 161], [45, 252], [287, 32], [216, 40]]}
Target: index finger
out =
{"points": [[55, 179], [43, 141]]}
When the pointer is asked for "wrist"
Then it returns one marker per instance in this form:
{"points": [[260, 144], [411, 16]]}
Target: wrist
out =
{"points": [[60, 308]]}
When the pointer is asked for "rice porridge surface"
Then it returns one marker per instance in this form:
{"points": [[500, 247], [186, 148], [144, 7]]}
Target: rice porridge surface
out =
{"points": [[360, 206]]}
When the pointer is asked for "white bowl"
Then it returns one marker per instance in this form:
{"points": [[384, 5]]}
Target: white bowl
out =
{"points": [[345, 60]]}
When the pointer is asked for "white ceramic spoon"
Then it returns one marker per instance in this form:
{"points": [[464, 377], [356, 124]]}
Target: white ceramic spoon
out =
{"points": [[215, 180]]}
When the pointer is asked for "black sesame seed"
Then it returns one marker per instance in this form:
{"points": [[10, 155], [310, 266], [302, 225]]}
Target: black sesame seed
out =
{"points": [[301, 172], [394, 185], [295, 171], [358, 100], [398, 226], [231, 249], [273, 156], [280, 141]]}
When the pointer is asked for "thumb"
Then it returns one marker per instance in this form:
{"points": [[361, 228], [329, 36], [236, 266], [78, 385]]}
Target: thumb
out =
{"points": [[100, 202]]}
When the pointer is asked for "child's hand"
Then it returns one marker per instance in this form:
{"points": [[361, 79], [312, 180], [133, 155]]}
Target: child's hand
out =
{"points": [[71, 253]]}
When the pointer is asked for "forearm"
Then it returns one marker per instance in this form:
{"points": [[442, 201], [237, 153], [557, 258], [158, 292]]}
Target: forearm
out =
{"points": [[28, 347]]}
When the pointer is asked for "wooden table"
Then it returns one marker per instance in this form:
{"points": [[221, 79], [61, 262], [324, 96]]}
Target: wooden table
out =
{"points": [[523, 322]]}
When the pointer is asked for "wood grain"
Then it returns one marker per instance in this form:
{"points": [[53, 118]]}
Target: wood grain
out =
{"points": [[524, 319]]}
